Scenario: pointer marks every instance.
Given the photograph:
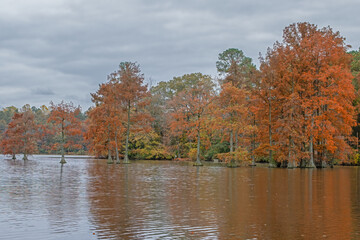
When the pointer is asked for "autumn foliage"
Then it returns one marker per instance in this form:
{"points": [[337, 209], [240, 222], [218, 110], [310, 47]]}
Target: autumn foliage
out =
{"points": [[21, 135], [307, 80], [65, 124], [119, 111], [190, 108], [300, 108]]}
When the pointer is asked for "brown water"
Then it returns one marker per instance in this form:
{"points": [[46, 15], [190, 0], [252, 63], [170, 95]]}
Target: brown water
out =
{"points": [[88, 199]]}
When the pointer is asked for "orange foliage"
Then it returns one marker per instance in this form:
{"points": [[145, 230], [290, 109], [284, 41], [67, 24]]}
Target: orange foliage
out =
{"points": [[190, 107], [231, 111], [119, 108], [105, 120], [64, 122], [21, 135], [307, 78]]}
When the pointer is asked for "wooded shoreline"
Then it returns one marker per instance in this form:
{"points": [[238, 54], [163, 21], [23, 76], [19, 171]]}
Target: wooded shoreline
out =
{"points": [[300, 108]]}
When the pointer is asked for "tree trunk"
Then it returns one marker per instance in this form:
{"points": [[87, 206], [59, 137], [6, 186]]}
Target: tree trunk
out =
{"points": [[253, 145], [198, 162], [232, 162], [311, 146], [110, 160], [302, 163], [272, 163], [253, 164], [324, 160], [284, 164], [25, 158], [178, 150], [62, 161], [117, 149], [231, 141], [126, 158], [13, 156], [236, 140], [292, 161]]}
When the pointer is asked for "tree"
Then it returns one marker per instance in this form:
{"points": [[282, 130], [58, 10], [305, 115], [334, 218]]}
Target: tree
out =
{"points": [[162, 105], [264, 95], [161, 94], [63, 118], [235, 67], [105, 122], [355, 70], [21, 134], [191, 106], [12, 138], [309, 76], [132, 97], [355, 64], [238, 73], [6, 115], [232, 113]]}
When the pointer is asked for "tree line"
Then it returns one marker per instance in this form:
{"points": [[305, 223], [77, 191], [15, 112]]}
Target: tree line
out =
{"points": [[42, 130], [298, 109]]}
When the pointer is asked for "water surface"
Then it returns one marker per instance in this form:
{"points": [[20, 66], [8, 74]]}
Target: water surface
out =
{"points": [[89, 199]]}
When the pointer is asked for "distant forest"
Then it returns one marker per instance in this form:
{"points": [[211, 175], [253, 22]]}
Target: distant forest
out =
{"points": [[299, 108]]}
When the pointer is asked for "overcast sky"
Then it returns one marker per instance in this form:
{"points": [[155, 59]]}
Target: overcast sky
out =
{"points": [[62, 49]]}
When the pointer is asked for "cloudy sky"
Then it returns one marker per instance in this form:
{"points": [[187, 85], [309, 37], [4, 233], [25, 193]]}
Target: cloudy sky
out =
{"points": [[62, 49]]}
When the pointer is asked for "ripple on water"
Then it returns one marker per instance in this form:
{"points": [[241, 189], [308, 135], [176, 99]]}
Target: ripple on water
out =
{"points": [[88, 199]]}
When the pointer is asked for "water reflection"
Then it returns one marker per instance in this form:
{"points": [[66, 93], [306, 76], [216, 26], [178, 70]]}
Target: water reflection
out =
{"points": [[146, 199], [41, 199]]}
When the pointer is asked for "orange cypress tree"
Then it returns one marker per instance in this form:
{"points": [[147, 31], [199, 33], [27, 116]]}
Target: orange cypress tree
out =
{"points": [[309, 76], [21, 135], [12, 138], [119, 105], [64, 121], [263, 101], [131, 96], [105, 122]]}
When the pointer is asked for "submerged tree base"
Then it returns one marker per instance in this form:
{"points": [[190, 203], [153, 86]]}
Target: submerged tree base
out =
{"points": [[272, 165], [126, 159], [310, 165], [62, 161], [302, 163], [323, 164], [198, 164], [232, 165], [291, 165]]}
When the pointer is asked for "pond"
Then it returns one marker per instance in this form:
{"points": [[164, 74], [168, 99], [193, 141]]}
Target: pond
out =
{"points": [[89, 199]]}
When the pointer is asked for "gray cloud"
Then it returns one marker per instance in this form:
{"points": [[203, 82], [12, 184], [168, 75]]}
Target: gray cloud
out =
{"points": [[42, 91], [65, 48]]}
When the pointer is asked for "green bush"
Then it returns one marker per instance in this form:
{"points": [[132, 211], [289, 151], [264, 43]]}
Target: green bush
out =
{"points": [[220, 147]]}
